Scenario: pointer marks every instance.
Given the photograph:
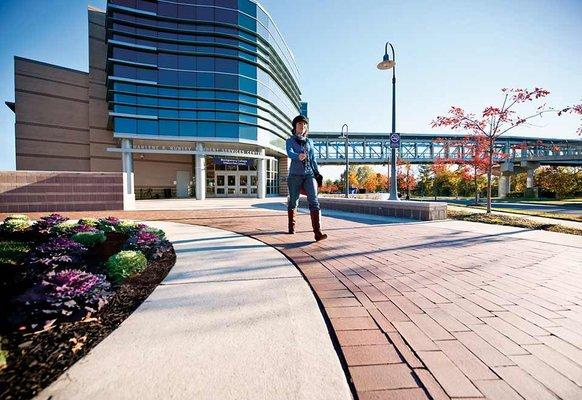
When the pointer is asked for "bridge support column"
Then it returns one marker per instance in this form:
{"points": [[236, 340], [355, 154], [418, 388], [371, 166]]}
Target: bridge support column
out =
{"points": [[504, 185], [530, 190]]}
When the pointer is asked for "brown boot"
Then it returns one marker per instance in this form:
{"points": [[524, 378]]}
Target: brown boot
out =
{"points": [[316, 223], [291, 214]]}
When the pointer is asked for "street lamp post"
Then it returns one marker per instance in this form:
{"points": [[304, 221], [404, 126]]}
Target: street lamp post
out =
{"points": [[387, 63], [347, 177]]}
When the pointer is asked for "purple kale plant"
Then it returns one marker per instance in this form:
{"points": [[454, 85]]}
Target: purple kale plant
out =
{"points": [[108, 224], [57, 253], [44, 226], [81, 228], [69, 294]]}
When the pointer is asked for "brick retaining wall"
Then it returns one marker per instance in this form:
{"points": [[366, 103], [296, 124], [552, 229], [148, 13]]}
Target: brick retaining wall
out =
{"points": [[421, 210], [28, 191]]}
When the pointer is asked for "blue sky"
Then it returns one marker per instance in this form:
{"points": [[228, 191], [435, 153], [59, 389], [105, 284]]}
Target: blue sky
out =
{"points": [[447, 52]]}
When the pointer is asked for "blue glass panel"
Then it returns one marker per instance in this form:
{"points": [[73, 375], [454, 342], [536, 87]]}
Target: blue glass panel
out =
{"points": [[187, 93], [168, 103], [249, 109], [124, 71], [205, 14], [247, 69], [226, 52], [124, 87], [187, 104], [168, 9], [166, 60], [147, 5], [187, 114], [187, 62], [147, 89], [226, 3], [168, 46], [206, 115], [167, 77], [147, 74], [206, 94], [186, 12], [226, 130], [211, 105], [167, 35], [247, 22], [162, 112], [207, 129], [124, 109], [227, 95], [168, 92], [205, 79], [168, 128], [187, 128], [125, 125], [227, 16], [205, 63], [222, 105], [147, 101], [247, 85], [187, 78], [227, 116], [147, 111], [248, 99], [247, 132], [226, 81], [248, 7], [146, 58], [124, 98], [247, 118], [226, 65], [147, 127]]}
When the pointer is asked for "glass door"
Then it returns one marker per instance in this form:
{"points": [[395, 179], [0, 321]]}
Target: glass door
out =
{"points": [[231, 186], [220, 188], [244, 184]]}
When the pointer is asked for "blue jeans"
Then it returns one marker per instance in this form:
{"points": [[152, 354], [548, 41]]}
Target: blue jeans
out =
{"points": [[308, 182]]}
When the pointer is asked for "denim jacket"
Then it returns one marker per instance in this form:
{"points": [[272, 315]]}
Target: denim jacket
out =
{"points": [[309, 165]]}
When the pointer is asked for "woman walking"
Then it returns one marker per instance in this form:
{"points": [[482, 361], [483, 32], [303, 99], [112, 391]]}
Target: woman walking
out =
{"points": [[302, 175]]}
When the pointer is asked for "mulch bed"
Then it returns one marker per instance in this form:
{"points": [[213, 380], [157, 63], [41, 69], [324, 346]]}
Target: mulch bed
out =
{"points": [[37, 359]]}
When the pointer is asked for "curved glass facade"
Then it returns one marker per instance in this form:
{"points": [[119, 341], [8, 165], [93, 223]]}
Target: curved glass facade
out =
{"points": [[200, 70]]}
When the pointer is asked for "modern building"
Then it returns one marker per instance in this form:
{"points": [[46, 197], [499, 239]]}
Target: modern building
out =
{"points": [[186, 97]]}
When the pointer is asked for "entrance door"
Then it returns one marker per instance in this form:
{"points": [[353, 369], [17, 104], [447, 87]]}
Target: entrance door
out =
{"points": [[182, 183], [235, 183], [231, 184]]}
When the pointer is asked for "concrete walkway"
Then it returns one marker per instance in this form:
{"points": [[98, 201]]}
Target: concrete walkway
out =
{"points": [[234, 319]]}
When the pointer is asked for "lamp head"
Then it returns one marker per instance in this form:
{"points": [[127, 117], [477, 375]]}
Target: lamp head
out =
{"points": [[386, 63]]}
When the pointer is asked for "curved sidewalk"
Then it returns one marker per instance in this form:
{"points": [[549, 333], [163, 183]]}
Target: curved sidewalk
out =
{"points": [[233, 319]]}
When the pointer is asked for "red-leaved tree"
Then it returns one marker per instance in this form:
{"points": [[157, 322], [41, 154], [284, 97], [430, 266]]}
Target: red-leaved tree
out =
{"points": [[496, 121]]}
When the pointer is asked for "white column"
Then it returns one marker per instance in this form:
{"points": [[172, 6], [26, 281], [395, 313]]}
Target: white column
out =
{"points": [[200, 171], [128, 183], [530, 178], [262, 176], [504, 185]]}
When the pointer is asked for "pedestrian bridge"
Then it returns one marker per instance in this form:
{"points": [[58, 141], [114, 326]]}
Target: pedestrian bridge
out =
{"points": [[425, 148]]}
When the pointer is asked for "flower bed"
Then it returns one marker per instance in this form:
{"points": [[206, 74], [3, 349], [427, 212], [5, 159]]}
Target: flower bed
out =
{"points": [[64, 286]]}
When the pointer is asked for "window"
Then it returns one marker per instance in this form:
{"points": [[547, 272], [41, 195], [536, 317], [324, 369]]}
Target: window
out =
{"points": [[143, 89], [166, 60], [125, 125], [247, 132], [125, 3], [187, 128], [226, 65], [168, 128], [187, 93], [226, 130], [145, 74], [124, 109], [164, 113], [146, 57], [187, 104], [147, 111], [205, 64], [124, 87], [206, 129], [226, 3], [168, 9], [227, 16], [123, 98], [187, 114], [187, 78], [168, 103], [167, 77], [205, 79], [124, 71], [247, 69], [186, 12], [123, 54], [226, 81], [187, 62], [227, 116], [168, 92], [147, 127], [205, 13], [147, 101], [248, 7], [150, 6], [247, 85]]}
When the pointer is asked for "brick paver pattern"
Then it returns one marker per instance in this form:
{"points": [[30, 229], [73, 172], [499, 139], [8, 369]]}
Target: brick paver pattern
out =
{"points": [[421, 311]]}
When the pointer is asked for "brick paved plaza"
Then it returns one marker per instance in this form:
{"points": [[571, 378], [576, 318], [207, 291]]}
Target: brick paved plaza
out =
{"points": [[434, 310]]}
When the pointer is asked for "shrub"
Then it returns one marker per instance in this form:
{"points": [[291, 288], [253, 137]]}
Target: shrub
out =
{"points": [[125, 264], [12, 226], [64, 228], [128, 227], [57, 253], [514, 195], [89, 221], [68, 294], [13, 252], [21, 217], [109, 224], [158, 232], [83, 228], [44, 226], [89, 239]]}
